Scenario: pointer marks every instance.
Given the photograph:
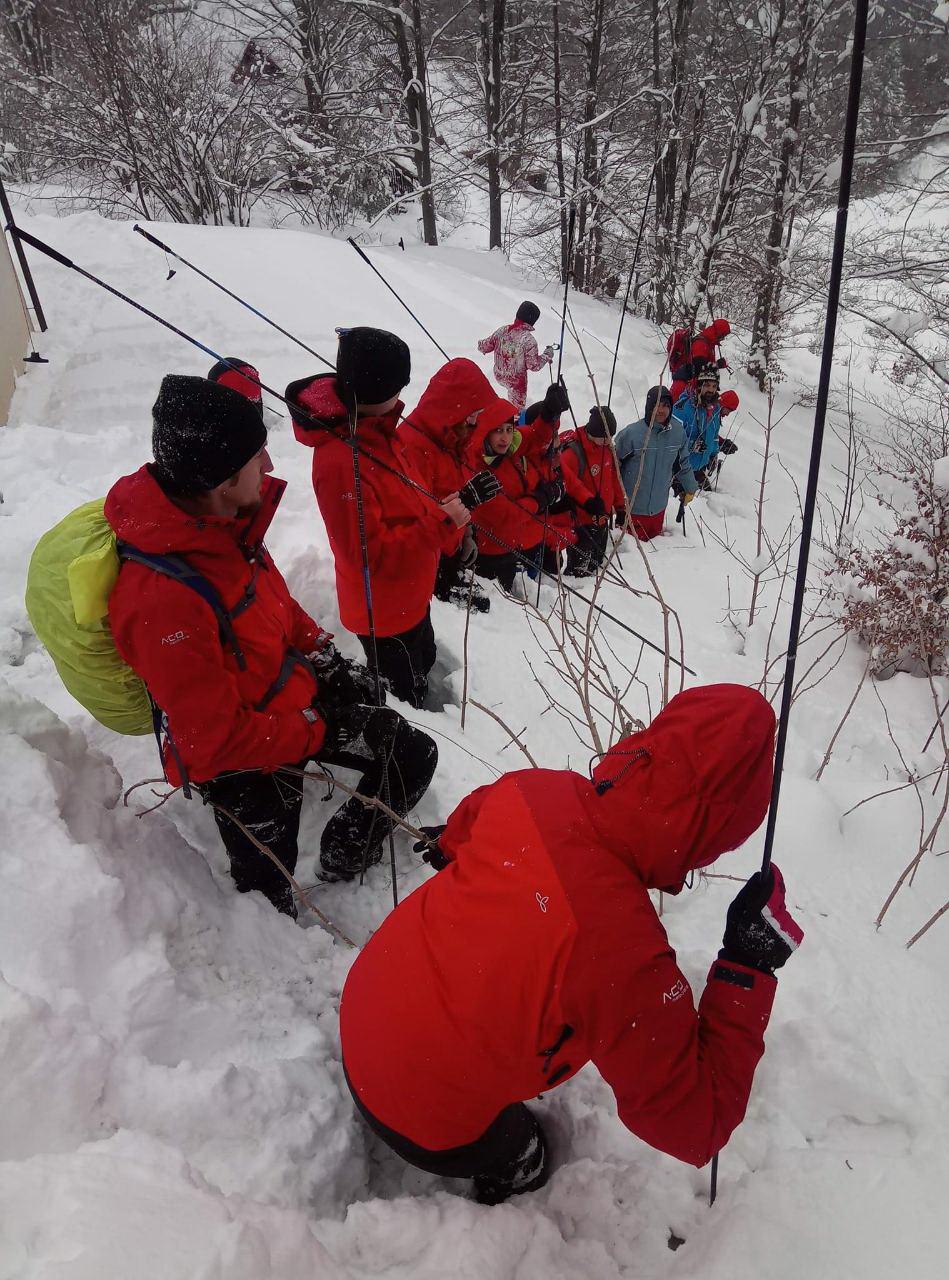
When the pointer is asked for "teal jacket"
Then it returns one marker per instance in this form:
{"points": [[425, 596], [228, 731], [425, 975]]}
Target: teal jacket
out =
{"points": [[649, 458]]}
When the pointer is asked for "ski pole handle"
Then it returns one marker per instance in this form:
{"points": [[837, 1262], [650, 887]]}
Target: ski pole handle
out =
{"points": [[154, 239]]}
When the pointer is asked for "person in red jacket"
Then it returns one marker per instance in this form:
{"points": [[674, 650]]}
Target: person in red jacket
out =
{"points": [[510, 529], [515, 352], [689, 352], [269, 689], [404, 531], [435, 437], [588, 465], [538, 949]]}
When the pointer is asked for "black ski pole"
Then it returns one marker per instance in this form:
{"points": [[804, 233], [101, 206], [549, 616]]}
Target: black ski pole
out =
{"points": [[629, 282], [817, 439], [680, 518], [397, 296], [316, 422], [21, 257], [147, 235]]}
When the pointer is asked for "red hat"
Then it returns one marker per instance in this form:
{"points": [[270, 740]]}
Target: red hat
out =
{"points": [[728, 401], [495, 415], [239, 375]]}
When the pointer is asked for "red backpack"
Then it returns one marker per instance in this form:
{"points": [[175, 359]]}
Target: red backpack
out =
{"points": [[679, 347]]}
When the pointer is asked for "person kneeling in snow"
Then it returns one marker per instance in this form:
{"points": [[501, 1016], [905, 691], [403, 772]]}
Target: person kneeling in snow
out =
{"points": [[653, 453], [537, 949], [390, 523], [265, 687]]}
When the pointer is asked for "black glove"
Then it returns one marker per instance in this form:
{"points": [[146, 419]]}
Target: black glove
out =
{"points": [[619, 518], [430, 848], [722, 362], [342, 681], [759, 931], [480, 488], [595, 506], [362, 730], [555, 402], [547, 494], [726, 446]]}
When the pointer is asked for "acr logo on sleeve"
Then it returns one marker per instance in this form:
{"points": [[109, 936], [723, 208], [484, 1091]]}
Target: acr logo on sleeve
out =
{"points": [[675, 992], [175, 637]]}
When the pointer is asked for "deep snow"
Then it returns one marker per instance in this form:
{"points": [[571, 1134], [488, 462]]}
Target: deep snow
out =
{"points": [[171, 1100]]}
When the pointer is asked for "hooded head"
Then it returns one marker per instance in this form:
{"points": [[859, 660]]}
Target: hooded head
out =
{"points": [[528, 312], [721, 329], [372, 367], [728, 402], [601, 419], [240, 375], [692, 786], [653, 396], [457, 392]]}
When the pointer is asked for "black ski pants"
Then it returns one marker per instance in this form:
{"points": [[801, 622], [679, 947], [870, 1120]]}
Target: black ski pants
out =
{"points": [[405, 660], [503, 568], [269, 804]]}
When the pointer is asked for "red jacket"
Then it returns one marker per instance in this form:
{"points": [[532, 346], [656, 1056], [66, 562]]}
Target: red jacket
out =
{"points": [[405, 531], [428, 434], [589, 470], [538, 948], [514, 515], [702, 350], [170, 636]]}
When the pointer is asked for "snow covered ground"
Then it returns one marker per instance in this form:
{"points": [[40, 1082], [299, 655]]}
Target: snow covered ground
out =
{"points": [[171, 1100]]}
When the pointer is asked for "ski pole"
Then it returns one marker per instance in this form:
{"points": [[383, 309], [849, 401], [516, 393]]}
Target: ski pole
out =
{"points": [[160, 244], [397, 296], [629, 282], [817, 438], [313, 421]]}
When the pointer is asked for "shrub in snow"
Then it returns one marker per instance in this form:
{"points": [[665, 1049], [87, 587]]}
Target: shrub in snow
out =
{"points": [[896, 597]]}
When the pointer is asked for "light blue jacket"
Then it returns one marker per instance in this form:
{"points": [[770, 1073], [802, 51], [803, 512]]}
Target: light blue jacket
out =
{"points": [[648, 458], [701, 428]]}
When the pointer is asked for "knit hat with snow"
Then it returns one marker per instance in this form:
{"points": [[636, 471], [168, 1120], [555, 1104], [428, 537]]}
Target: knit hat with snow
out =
{"points": [[240, 375], [529, 312], [372, 365], [202, 434]]}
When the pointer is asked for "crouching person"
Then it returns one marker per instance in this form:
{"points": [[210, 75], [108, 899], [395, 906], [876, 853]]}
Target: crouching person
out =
{"points": [[246, 681], [537, 949]]}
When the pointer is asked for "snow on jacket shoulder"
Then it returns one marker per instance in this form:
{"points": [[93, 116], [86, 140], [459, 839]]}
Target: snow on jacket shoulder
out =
{"points": [[429, 434], [649, 459], [405, 531], [171, 638], [537, 949]]}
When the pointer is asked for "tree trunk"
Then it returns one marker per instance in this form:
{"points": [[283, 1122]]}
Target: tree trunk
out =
{"points": [[412, 65], [558, 144]]}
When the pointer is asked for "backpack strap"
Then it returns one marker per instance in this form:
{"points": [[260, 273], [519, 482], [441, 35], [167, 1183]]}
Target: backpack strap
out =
{"points": [[178, 569]]}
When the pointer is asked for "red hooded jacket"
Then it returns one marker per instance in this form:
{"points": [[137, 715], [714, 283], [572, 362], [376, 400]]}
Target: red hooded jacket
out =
{"points": [[170, 636], [701, 351], [513, 516], [405, 531], [538, 949], [427, 434], [589, 470]]}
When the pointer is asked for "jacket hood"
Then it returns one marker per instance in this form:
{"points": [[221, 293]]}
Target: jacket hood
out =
{"points": [[319, 398], [693, 785], [721, 329], [458, 389], [140, 513]]}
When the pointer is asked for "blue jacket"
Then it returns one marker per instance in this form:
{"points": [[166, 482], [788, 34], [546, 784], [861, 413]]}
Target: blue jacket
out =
{"points": [[701, 428], [661, 452]]}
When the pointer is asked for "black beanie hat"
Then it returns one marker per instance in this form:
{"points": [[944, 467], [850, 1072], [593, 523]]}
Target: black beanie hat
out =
{"points": [[372, 365], [598, 415], [202, 434], [653, 396], [529, 312]]}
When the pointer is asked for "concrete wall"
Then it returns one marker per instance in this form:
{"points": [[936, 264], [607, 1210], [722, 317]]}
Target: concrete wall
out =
{"points": [[14, 328]]}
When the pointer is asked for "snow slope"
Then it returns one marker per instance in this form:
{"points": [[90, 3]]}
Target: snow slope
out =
{"points": [[172, 1103]]}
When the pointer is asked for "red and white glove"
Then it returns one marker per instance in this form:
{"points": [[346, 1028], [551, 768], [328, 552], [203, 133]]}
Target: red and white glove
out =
{"points": [[760, 932]]}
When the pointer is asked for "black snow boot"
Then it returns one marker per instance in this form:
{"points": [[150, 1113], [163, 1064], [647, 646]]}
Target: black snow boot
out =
{"points": [[527, 1171]]}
